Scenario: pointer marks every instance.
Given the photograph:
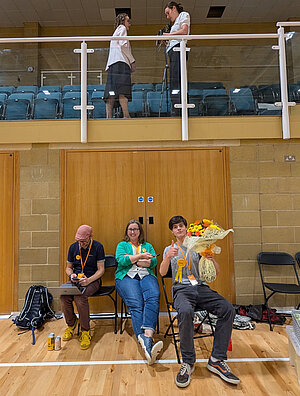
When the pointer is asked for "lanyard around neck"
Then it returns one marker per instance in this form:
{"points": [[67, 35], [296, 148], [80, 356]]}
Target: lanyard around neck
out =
{"points": [[188, 263], [83, 264], [136, 247]]}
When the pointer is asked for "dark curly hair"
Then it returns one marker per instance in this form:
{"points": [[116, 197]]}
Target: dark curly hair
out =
{"points": [[176, 220], [172, 4]]}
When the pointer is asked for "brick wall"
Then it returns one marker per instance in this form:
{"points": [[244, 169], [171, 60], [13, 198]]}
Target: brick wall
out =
{"points": [[266, 212], [39, 218]]}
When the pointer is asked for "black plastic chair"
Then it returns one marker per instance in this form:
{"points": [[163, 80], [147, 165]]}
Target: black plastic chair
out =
{"points": [[275, 260], [110, 262], [170, 332]]}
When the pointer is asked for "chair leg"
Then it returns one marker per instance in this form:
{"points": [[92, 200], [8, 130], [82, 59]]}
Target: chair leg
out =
{"points": [[121, 319]]}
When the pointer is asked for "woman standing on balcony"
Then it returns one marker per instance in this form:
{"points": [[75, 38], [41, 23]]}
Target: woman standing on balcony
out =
{"points": [[120, 65], [180, 26]]}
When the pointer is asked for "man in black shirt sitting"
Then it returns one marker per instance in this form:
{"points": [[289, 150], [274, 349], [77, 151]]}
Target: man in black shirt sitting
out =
{"points": [[85, 266]]}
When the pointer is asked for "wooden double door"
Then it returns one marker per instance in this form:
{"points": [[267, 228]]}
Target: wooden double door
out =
{"points": [[108, 188]]}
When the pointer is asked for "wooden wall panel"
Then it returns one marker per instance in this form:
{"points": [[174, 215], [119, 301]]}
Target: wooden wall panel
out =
{"points": [[8, 232]]}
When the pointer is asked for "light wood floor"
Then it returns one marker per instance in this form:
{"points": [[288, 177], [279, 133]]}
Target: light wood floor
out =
{"points": [[122, 375]]}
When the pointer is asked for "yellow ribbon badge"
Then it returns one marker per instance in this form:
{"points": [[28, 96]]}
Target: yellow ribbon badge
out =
{"points": [[144, 250], [77, 257], [181, 263]]}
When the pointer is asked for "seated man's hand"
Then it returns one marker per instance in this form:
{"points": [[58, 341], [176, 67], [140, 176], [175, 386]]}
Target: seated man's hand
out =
{"points": [[84, 281], [74, 278]]}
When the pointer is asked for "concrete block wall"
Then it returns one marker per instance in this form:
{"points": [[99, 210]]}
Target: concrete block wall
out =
{"points": [[266, 212], [39, 218]]}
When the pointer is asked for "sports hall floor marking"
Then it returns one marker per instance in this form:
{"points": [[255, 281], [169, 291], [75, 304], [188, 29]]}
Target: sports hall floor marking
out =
{"points": [[120, 362]]}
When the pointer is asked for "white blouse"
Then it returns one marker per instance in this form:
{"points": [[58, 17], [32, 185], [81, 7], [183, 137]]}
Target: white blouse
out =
{"points": [[119, 50], [182, 19]]}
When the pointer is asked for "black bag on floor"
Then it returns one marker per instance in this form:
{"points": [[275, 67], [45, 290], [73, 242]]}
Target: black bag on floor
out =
{"points": [[36, 309]]}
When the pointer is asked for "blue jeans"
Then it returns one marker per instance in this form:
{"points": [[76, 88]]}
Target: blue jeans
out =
{"points": [[142, 299]]}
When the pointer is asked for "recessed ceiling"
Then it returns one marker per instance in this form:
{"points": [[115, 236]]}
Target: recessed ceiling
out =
{"points": [[14, 13]]}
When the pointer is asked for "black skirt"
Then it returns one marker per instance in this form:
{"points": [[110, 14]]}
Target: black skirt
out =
{"points": [[118, 81]]}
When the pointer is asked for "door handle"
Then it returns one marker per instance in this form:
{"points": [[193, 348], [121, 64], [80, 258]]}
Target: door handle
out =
{"points": [[141, 220], [151, 220]]}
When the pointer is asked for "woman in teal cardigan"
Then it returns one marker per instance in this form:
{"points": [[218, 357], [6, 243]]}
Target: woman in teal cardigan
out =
{"points": [[138, 287]]}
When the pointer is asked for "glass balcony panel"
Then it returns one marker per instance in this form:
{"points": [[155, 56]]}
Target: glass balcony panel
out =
{"points": [[233, 80], [237, 79]]}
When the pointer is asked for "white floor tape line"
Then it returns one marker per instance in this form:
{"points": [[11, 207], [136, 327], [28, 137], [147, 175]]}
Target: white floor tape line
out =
{"points": [[121, 362]]}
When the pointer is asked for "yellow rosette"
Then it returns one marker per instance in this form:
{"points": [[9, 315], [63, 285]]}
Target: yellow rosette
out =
{"points": [[181, 263]]}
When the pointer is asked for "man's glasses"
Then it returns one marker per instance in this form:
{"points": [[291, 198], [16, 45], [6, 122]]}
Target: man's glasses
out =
{"points": [[133, 229]]}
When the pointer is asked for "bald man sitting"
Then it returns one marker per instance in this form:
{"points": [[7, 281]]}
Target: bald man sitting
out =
{"points": [[85, 265]]}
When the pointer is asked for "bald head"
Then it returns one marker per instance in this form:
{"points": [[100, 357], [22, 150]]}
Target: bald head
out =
{"points": [[83, 232]]}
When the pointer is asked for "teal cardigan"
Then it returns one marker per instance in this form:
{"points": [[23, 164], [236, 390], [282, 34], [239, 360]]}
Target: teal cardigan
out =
{"points": [[124, 263]]}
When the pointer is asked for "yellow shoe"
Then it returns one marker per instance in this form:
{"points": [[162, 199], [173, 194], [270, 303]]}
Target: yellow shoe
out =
{"points": [[85, 339], [68, 334]]}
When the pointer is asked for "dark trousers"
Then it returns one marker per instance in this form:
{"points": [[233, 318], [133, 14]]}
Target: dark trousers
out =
{"points": [[175, 78], [187, 299], [82, 304]]}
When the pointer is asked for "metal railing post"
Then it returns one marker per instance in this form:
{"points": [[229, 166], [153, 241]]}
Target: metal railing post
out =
{"points": [[283, 86], [183, 91], [83, 107]]}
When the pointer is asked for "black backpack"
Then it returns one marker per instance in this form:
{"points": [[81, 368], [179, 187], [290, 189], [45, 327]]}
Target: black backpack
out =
{"points": [[35, 310]]}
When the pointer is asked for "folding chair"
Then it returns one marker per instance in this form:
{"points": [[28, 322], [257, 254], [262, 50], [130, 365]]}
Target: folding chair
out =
{"points": [[170, 332], [275, 260], [110, 262]]}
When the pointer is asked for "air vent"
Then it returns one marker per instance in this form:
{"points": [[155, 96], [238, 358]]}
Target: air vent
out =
{"points": [[215, 12], [123, 11]]}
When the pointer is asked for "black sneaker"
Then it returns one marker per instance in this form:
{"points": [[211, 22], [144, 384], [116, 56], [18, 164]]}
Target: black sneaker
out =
{"points": [[183, 378], [223, 370]]}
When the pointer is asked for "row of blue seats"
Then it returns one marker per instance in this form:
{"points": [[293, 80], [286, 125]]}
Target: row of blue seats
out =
{"points": [[216, 102], [147, 100], [51, 105]]}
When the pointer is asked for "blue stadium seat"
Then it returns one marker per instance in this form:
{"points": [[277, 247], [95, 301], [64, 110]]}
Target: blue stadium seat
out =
{"points": [[158, 87], [8, 90], [157, 103], [3, 97], [254, 90], [268, 93], [27, 89], [216, 102], [19, 106], [205, 85], [50, 88], [243, 101], [195, 97], [137, 106], [47, 106], [71, 88], [93, 88], [69, 100], [294, 93], [142, 87], [99, 104]]}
